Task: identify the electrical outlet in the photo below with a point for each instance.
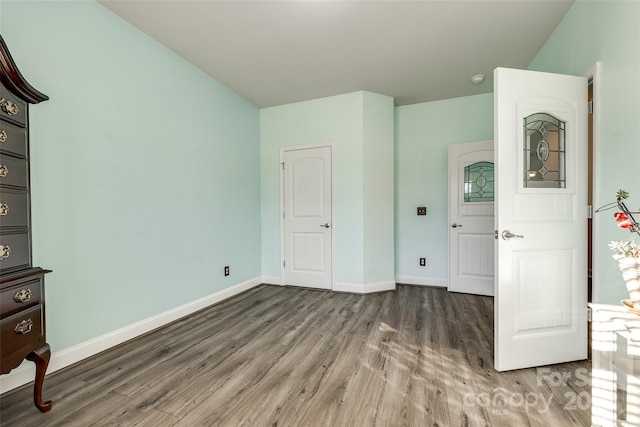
(423, 262)
(226, 270)
(422, 210)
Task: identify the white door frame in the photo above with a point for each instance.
(334, 221)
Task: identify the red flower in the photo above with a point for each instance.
(623, 220)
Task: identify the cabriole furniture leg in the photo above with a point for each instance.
(41, 358)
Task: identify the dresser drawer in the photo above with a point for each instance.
(12, 108)
(18, 297)
(14, 209)
(13, 139)
(13, 172)
(20, 334)
(14, 251)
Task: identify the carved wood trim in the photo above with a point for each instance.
(13, 79)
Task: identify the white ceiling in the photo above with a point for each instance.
(277, 52)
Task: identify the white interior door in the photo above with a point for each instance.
(541, 218)
(471, 241)
(307, 224)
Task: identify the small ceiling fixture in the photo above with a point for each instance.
(477, 79)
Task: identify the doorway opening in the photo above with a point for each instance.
(590, 203)
(590, 192)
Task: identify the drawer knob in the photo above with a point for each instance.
(3, 135)
(4, 209)
(5, 251)
(4, 171)
(24, 327)
(23, 295)
(9, 107)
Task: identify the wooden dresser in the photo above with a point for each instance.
(22, 317)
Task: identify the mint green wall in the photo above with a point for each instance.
(423, 134)
(145, 171)
(148, 176)
(378, 175)
(607, 31)
(339, 120)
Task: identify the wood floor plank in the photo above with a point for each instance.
(322, 392)
(116, 409)
(227, 394)
(283, 356)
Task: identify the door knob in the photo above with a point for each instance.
(454, 225)
(506, 235)
(326, 225)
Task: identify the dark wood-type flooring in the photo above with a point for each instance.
(281, 356)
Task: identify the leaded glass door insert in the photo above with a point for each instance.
(544, 151)
(478, 182)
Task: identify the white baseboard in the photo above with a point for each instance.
(271, 280)
(422, 281)
(356, 288)
(26, 372)
(364, 288)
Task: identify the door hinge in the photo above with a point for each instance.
(590, 212)
(589, 314)
(590, 106)
(282, 165)
(283, 264)
(282, 215)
